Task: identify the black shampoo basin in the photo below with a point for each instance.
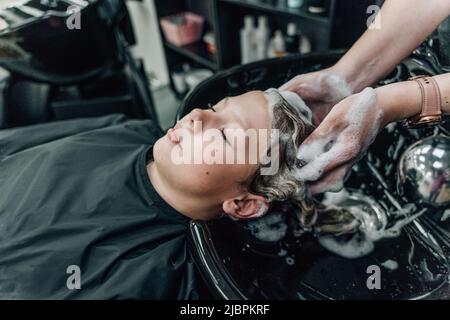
(236, 265)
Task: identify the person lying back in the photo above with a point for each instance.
(99, 208)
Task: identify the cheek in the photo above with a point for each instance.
(212, 179)
(224, 178)
(199, 178)
(158, 148)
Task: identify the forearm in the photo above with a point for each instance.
(403, 99)
(404, 25)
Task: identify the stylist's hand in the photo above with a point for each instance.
(340, 141)
(320, 90)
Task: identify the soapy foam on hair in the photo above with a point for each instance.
(363, 242)
(290, 123)
(263, 208)
(275, 97)
(270, 228)
(335, 198)
(297, 102)
(354, 248)
(273, 228)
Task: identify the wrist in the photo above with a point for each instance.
(399, 101)
(355, 77)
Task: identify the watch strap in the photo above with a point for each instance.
(431, 103)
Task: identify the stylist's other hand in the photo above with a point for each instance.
(340, 141)
(320, 90)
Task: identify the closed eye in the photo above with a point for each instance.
(222, 131)
(223, 135)
(210, 107)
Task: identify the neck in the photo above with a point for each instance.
(188, 205)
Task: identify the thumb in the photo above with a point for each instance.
(288, 86)
(303, 89)
(315, 144)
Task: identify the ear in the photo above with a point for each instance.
(248, 206)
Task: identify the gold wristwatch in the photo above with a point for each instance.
(431, 103)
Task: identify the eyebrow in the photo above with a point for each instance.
(238, 119)
(225, 103)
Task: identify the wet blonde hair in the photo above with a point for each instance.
(294, 124)
(294, 127)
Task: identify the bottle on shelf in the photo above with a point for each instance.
(305, 44)
(292, 39)
(262, 37)
(210, 39)
(317, 6)
(296, 41)
(277, 46)
(295, 4)
(248, 52)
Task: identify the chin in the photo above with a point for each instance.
(162, 151)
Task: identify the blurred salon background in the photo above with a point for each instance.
(143, 57)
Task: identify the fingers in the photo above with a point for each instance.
(325, 155)
(345, 149)
(319, 86)
(313, 152)
(313, 146)
(320, 111)
(308, 92)
(297, 87)
(333, 181)
(301, 85)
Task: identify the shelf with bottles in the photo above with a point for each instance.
(308, 35)
(314, 13)
(186, 75)
(335, 27)
(259, 43)
(198, 52)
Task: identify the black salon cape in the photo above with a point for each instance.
(76, 193)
